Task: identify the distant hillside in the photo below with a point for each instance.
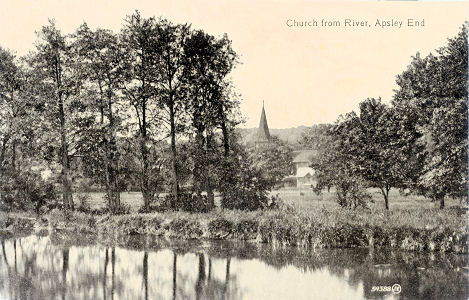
(290, 135)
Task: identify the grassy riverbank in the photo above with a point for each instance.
(413, 230)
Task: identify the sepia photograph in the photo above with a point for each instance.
(265, 149)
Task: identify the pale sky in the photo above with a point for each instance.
(305, 75)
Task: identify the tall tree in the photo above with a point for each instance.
(208, 61)
(337, 165)
(57, 86)
(101, 59)
(12, 108)
(432, 90)
(170, 85)
(376, 147)
(139, 41)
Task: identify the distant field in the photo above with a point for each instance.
(307, 199)
(302, 199)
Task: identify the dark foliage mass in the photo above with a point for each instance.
(150, 108)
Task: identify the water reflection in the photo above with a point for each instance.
(147, 268)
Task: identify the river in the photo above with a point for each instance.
(142, 267)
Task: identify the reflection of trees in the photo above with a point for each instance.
(106, 260)
(37, 276)
(201, 278)
(145, 274)
(227, 277)
(48, 270)
(421, 275)
(4, 254)
(209, 268)
(65, 254)
(207, 287)
(116, 285)
(113, 264)
(14, 247)
(5, 259)
(174, 274)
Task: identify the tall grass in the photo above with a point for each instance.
(414, 230)
(320, 225)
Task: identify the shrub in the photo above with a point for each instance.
(351, 193)
(185, 228)
(27, 190)
(243, 186)
(83, 203)
(220, 228)
(121, 209)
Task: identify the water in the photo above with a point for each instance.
(58, 267)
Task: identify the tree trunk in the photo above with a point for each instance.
(66, 176)
(2, 159)
(101, 105)
(13, 155)
(224, 130)
(145, 177)
(385, 192)
(2, 153)
(108, 182)
(208, 184)
(199, 172)
(174, 168)
(210, 194)
(113, 187)
(441, 198)
(226, 146)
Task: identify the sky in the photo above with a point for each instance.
(305, 75)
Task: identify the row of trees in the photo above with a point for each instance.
(151, 106)
(418, 143)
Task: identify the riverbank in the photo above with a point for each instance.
(411, 230)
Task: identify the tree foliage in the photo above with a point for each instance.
(432, 97)
(273, 160)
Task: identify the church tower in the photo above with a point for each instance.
(263, 134)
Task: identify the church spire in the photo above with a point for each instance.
(263, 134)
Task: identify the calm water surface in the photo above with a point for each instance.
(54, 267)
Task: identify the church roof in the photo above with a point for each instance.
(304, 171)
(263, 134)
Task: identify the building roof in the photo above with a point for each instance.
(263, 134)
(304, 156)
(303, 171)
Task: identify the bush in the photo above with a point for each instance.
(83, 203)
(192, 202)
(351, 193)
(27, 190)
(220, 228)
(185, 228)
(242, 185)
(120, 209)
